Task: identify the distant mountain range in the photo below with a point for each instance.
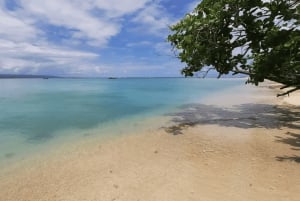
(7, 76)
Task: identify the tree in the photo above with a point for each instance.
(259, 38)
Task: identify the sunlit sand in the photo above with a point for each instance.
(231, 146)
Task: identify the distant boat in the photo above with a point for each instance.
(111, 78)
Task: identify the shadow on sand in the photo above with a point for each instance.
(240, 116)
(293, 140)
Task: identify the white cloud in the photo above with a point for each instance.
(25, 46)
(191, 6)
(79, 16)
(118, 8)
(154, 19)
(25, 57)
(15, 29)
(72, 16)
(27, 49)
(164, 49)
(140, 43)
(136, 69)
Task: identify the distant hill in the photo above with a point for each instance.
(7, 76)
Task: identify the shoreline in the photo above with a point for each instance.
(229, 146)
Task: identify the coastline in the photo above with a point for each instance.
(230, 146)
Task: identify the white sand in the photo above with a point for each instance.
(293, 99)
(223, 159)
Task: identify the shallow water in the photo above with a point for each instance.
(35, 113)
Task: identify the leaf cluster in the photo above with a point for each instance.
(257, 38)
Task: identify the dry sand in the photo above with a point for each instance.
(241, 146)
(293, 99)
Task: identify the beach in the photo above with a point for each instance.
(237, 144)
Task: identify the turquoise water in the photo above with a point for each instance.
(34, 112)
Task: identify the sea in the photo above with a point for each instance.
(36, 114)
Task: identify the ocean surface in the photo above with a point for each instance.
(37, 113)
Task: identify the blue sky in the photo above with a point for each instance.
(89, 37)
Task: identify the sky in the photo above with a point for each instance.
(97, 38)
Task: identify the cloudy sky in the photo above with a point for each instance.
(89, 37)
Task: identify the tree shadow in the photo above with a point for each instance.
(293, 140)
(289, 158)
(240, 116)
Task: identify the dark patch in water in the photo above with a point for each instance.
(9, 155)
(88, 134)
(40, 137)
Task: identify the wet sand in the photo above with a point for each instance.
(231, 146)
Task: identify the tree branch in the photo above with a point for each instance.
(206, 72)
(288, 92)
(236, 71)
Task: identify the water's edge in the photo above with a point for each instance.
(124, 106)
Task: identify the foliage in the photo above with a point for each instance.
(260, 38)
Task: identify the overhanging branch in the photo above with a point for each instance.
(236, 71)
(288, 92)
